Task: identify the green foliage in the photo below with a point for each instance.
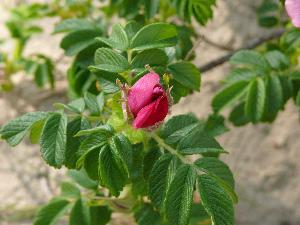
(268, 14)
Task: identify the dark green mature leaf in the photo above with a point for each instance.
(77, 41)
(100, 215)
(156, 35)
(75, 24)
(199, 215)
(146, 215)
(53, 140)
(290, 41)
(267, 13)
(15, 130)
(107, 81)
(103, 129)
(277, 60)
(150, 159)
(72, 153)
(252, 59)
(160, 179)
(287, 88)
(151, 8)
(94, 103)
(80, 214)
(118, 38)
(215, 200)
(298, 99)
(82, 179)
(90, 163)
(122, 150)
(112, 174)
(178, 127)
(152, 57)
(109, 60)
(180, 196)
(237, 115)
(186, 74)
(274, 98)
(229, 94)
(49, 214)
(215, 125)
(216, 167)
(199, 142)
(255, 100)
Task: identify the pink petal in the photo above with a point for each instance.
(152, 113)
(140, 94)
(293, 10)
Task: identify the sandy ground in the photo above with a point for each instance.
(264, 158)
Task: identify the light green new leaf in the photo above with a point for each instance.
(103, 129)
(229, 94)
(94, 103)
(216, 201)
(69, 190)
(199, 142)
(82, 179)
(252, 59)
(156, 35)
(180, 196)
(238, 74)
(15, 130)
(118, 38)
(53, 140)
(160, 179)
(152, 57)
(49, 214)
(70, 25)
(186, 74)
(131, 28)
(111, 173)
(277, 60)
(80, 214)
(255, 100)
(76, 106)
(109, 60)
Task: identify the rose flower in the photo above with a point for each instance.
(147, 102)
(293, 10)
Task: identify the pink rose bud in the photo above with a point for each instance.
(148, 101)
(293, 10)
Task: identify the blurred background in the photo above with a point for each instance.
(263, 158)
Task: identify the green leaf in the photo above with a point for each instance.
(298, 99)
(91, 164)
(53, 140)
(274, 98)
(216, 167)
(147, 216)
(152, 57)
(160, 179)
(180, 196)
(79, 214)
(277, 60)
(107, 81)
(255, 100)
(252, 59)
(237, 115)
(70, 25)
(151, 8)
(156, 35)
(72, 152)
(178, 127)
(199, 215)
(15, 130)
(49, 214)
(186, 74)
(77, 41)
(103, 129)
(109, 60)
(287, 88)
(150, 159)
(100, 215)
(132, 28)
(215, 200)
(215, 125)
(82, 179)
(228, 95)
(199, 142)
(36, 131)
(69, 190)
(94, 103)
(112, 174)
(118, 38)
(239, 74)
(76, 106)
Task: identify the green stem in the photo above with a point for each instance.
(170, 149)
(19, 46)
(129, 55)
